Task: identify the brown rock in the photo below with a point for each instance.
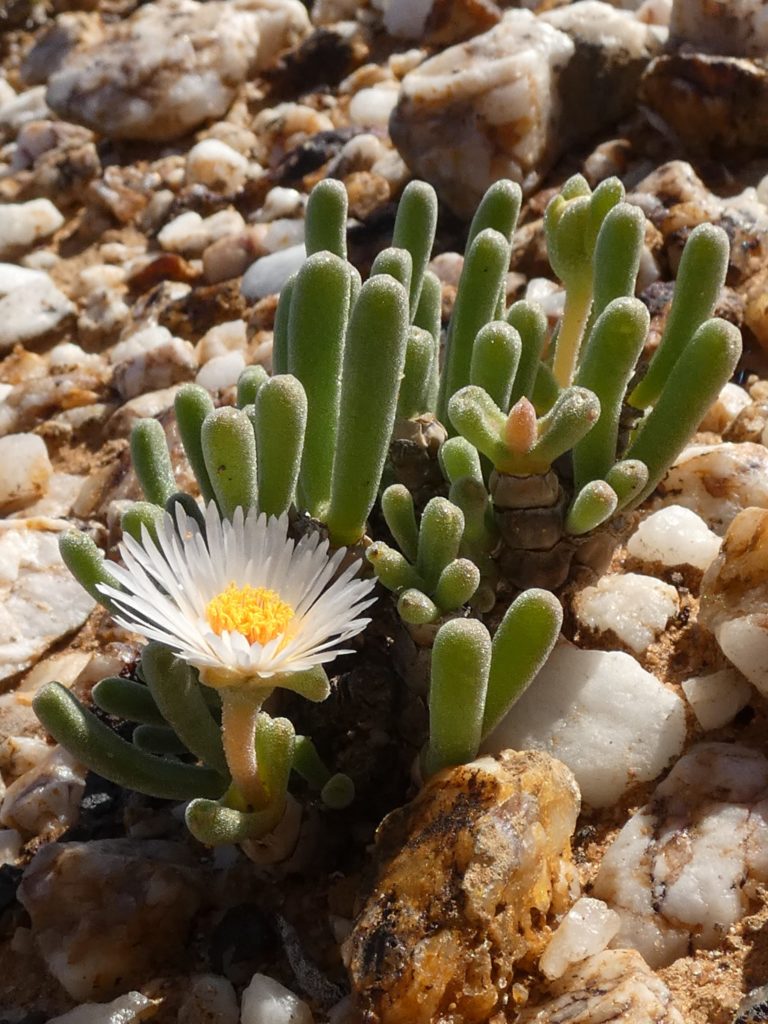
(477, 869)
(107, 913)
(715, 105)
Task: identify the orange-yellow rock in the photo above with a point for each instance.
(475, 873)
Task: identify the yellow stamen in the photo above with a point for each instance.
(256, 612)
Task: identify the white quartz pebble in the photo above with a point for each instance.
(600, 713)
(221, 371)
(210, 998)
(266, 1001)
(183, 232)
(13, 276)
(24, 224)
(586, 929)
(370, 108)
(40, 600)
(217, 165)
(680, 872)
(744, 642)
(189, 234)
(128, 1009)
(268, 275)
(726, 407)
(633, 607)
(230, 336)
(674, 536)
(26, 469)
(717, 697)
(31, 311)
(281, 202)
(717, 481)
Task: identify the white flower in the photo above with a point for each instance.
(243, 602)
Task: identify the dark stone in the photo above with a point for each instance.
(243, 936)
(753, 1008)
(10, 877)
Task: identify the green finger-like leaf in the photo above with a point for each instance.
(461, 660)
(414, 231)
(700, 277)
(573, 414)
(440, 532)
(373, 364)
(495, 359)
(213, 824)
(142, 515)
(618, 250)
(480, 421)
(127, 699)
(229, 448)
(392, 570)
(415, 388)
(86, 561)
(628, 479)
(521, 645)
(698, 376)
(281, 331)
(157, 739)
(498, 209)
(338, 792)
(415, 608)
(594, 505)
(530, 322)
(192, 404)
(94, 744)
(280, 421)
(152, 461)
(249, 383)
(429, 318)
(308, 764)
(325, 220)
(395, 262)
(318, 323)
(400, 517)
(482, 278)
(457, 584)
(458, 459)
(176, 692)
(607, 365)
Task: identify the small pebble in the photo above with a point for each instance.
(268, 274)
(634, 608)
(221, 372)
(586, 929)
(266, 1001)
(31, 312)
(26, 470)
(717, 697)
(128, 1009)
(222, 339)
(674, 536)
(216, 165)
(210, 999)
(24, 224)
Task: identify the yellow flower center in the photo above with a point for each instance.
(259, 614)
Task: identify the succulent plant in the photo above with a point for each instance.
(490, 475)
